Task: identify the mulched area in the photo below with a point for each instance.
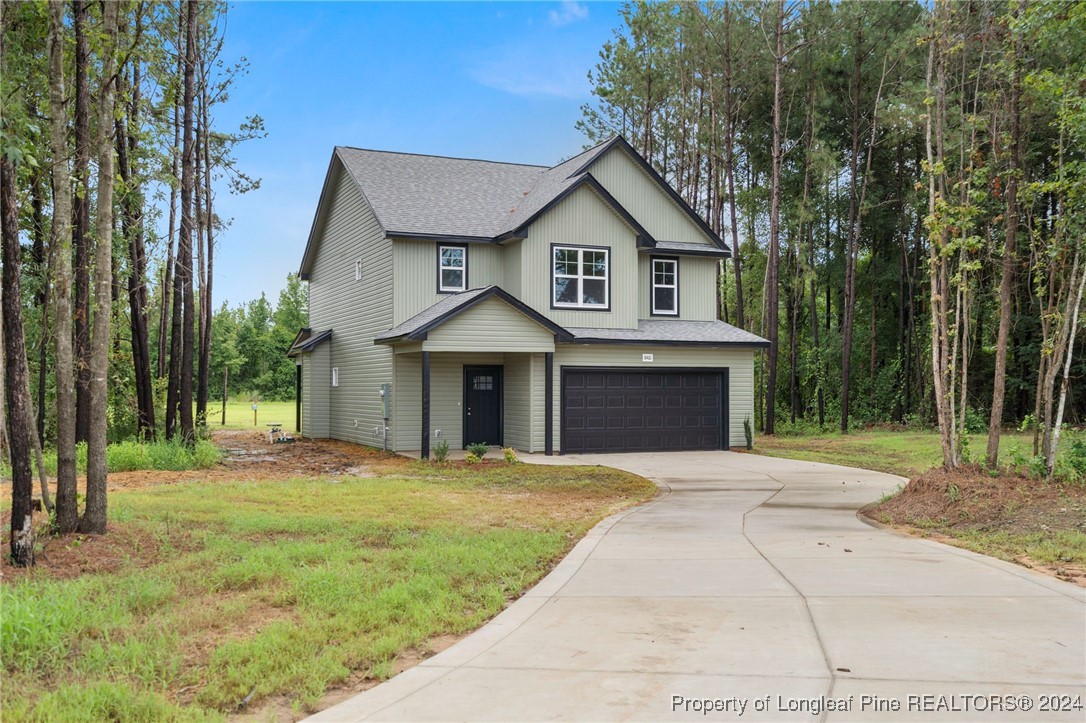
(970, 499)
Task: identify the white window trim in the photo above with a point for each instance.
(463, 268)
(335, 376)
(654, 286)
(606, 278)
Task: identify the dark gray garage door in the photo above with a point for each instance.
(612, 410)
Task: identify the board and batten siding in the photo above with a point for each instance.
(581, 219)
(697, 288)
(446, 397)
(491, 325)
(639, 194)
(356, 310)
(738, 360)
(415, 274)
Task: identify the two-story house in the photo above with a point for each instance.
(564, 309)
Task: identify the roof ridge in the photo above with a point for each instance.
(448, 158)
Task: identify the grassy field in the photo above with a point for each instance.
(908, 454)
(239, 414)
(234, 592)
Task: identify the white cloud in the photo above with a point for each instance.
(525, 71)
(569, 12)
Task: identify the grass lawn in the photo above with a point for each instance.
(908, 453)
(239, 414)
(221, 595)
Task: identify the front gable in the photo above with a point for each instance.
(648, 199)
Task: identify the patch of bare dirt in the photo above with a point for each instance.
(940, 503)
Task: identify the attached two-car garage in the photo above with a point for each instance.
(634, 410)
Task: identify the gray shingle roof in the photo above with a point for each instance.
(441, 308)
(456, 196)
(671, 331)
(683, 247)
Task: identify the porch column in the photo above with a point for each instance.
(548, 401)
(425, 453)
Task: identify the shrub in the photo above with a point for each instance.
(479, 449)
(1076, 456)
(976, 422)
(748, 433)
(510, 455)
(440, 452)
(472, 458)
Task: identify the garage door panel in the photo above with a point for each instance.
(617, 411)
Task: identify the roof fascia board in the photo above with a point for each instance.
(666, 342)
(713, 252)
(411, 235)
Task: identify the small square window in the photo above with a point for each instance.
(483, 382)
(665, 287)
(335, 376)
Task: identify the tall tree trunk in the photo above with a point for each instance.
(206, 305)
(164, 320)
(19, 416)
(729, 169)
(773, 262)
(81, 208)
(67, 514)
(94, 518)
(132, 228)
(184, 272)
(1010, 250)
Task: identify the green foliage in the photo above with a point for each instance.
(747, 433)
(1075, 457)
(479, 449)
(440, 452)
(510, 455)
(472, 458)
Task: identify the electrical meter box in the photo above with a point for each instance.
(386, 400)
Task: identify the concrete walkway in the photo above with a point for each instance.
(751, 588)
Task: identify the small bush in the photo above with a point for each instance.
(440, 453)
(472, 458)
(976, 422)
(1075, 456)
(479, 449)
(510, 455)
(748, 433)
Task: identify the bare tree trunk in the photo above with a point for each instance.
(1006, 283)
(729, 169)
(19, 416)
(184, 271)
(1074, 302)
(773, 263)
(94, 518)
(67, 515)
(168, 270)
(81, 218)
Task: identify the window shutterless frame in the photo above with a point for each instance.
(452, 268)
(577, 272)
(664, 285)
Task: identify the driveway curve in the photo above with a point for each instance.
(750, 590)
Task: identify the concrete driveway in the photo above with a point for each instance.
(751, 589)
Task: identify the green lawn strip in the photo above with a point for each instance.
(239, 414)
(908, 453)
(284, 588)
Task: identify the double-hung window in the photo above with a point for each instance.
(665, 287)
(452, 268)
(581, 277)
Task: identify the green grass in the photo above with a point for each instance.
(285, 588)
(239, 414)
(130, 455)
(909, 453)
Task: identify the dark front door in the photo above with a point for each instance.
(483, 405)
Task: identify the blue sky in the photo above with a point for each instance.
(502, 81)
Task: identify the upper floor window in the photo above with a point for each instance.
(452, 268)
(665, 286)
(581, 277)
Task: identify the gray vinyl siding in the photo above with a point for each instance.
(356, 311)
(513, 273)
(537, 392)
(581, 219)
(492, 325)
(697, 288)
(739, 361)
(518, 401)
(316, 385)
(641, 196)
(446, 397)
(415, 280)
